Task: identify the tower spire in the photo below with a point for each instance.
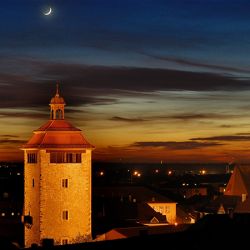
(57, 89)
(57, 106)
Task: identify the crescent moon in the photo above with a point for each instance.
(48, 12)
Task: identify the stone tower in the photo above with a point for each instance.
(57, 181)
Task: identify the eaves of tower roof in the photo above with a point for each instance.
(57, 134)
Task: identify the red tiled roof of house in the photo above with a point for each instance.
(239, 182)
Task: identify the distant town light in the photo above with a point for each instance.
(137, 173)
(203, 171)
(12, 214)
(101, 173)
(183, 184)
(18, 173)
(5, 195)
(157, 171)
(3, 214)
(170, 172)
(176, 224)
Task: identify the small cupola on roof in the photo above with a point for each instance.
(57, 104)
(57, 132)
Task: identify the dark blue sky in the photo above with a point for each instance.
(128, 33)
(173, 75)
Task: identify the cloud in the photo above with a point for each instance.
(33, 82)
(223, 138)
(9, 136)
(11, 139)
(141, 79)
(27, 115)
(245, 133)
(174, 145)
(186, 62)
(124, 119)
(226, 126)
(182, 117)
(194, 116)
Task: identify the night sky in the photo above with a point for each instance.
(146, 80)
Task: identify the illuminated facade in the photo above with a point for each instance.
(167, 209)
(57, 181)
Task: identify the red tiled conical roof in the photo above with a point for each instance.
(57, 134)
(57, 125)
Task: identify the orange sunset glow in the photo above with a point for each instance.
(168, 127)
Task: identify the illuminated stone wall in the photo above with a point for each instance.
(31, 201)
(52, 199)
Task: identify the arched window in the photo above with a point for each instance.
(59, 114)
(52, 114)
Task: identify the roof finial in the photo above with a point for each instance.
(57, 89)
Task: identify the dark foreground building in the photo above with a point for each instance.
(211, 232)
